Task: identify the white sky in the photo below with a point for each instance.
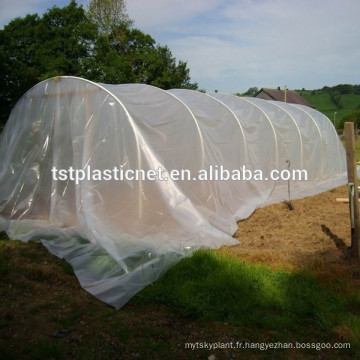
(231, 45)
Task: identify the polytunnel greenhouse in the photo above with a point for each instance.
(120, 234)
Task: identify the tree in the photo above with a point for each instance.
(160, 69)
(109, 14)
(99, 45)
(337, 99)
(34, 48)
(252, 91)
(351, 117)
(344, 88)
(18, 70)
(65, 37)
(129, 55)
(124, 54)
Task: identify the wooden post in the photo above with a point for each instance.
(352, 178)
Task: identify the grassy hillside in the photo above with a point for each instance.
(323, 102)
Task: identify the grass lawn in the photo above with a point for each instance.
(323, 103)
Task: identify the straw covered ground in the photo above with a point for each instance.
(314, 236)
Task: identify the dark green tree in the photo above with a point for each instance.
(118, 56)
(99, 44)
(34, 48)
(18, 69)
(128, 55)
(64, 41)
(351, 117)
(124, 54)
(337, 99)
(159, 68)
(252, 91)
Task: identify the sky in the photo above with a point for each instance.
(232, 45)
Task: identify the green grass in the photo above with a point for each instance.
(351, 101)
(322, 102)
(209, 286)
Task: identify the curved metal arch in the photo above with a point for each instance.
(309, 110)
(236, 118)
(316, 124)
(273, 103)
(190, 112)
(219, 101)
(196, 123)
(132, 124)
(270, 122)
(323, 116)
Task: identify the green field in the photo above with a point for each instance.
(322, 102)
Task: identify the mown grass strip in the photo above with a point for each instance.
(210, 286)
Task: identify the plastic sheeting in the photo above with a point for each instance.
(120, 235)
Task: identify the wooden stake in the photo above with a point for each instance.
(352, 179)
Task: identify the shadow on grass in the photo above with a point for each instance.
(209, 286)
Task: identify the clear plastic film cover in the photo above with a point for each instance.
(70, 144)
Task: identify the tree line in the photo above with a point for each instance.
(343, 89)
(100, 44)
